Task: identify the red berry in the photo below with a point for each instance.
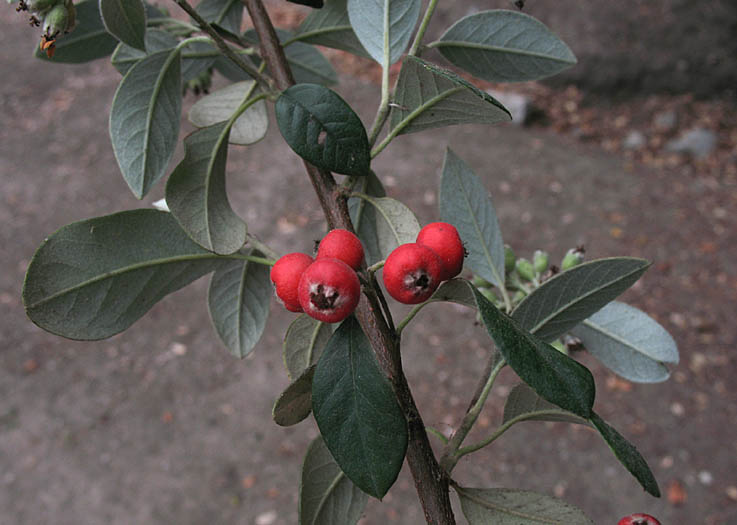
(342, 245)
(443, 239)
(412, 273)
(285, 275)
(638, 519)
(329, 290)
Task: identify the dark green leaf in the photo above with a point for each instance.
(430, 97)
(326, 495)
(88, 41)
(331, 27)
(379, 21)
(144, 119)
(295, 403)
(230, 70)
(308, 65)
(524, 402)
(228, 14)
(357, 412)
(219, 106)
(628, 455)
(562, 302)
(504, 46)
(125, 57)
(95, 278)
(363, 214)
(517, 507)
(629, 342)
(125, 20)
(554, 376)
(196, 58)
(238, 298)
(465, 203)
(197, 196)
(323, 129)
(455, 291)
(303, 344)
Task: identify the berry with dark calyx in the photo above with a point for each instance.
(638, 519)
(342, 245)
(525, 269)
(329, 290)
(443, 239)
(412, 272)
(509, 259)
(573, 257)
(540, 260)
(285, 275)
(56, 21)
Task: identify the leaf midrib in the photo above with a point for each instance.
(499, 49)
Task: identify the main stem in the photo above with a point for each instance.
(431, 482)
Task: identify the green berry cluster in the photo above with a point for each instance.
(54, 17)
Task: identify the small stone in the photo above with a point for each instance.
(634, 140)
(520, 106)
(677, 409)
(705, 477)
(666, 120)
(267, 518)
(699, 142)
(732, 492)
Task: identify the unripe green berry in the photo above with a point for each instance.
(489, 294)
(40, 6)
(573, 257)
(509, 259)
(57, 20)
(525, 269)
(560, 347)
(517, 297)
(480, 282)
(540, 260)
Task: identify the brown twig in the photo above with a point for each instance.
(431, 482)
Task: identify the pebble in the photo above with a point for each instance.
(705, 477)
(699, 142)
(666, 121)
(267, 518)
(520, 106)
(635, 140)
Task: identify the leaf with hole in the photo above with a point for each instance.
(125, 20)
(385, 224)
(93, 279)
(516, 507)
(89, 40)
(523, 403)
(568, 298)
(554, 376)
(303, 344)
(144, 119)
(220, 105)
(196, 193)
(629, 342)
(326, 495)
(330, 27)
(431, 97)
(384, 26)
(323, 129)
(295, 403)
(238, 299)
(465, 203)
(504, 46)
(628, 455)
(357, 412)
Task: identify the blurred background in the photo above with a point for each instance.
(631, 152)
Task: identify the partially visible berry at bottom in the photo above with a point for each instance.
(638, 519)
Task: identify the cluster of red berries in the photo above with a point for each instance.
(327, 287)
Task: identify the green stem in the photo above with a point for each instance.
(411, 315)
(383, 111)
(503, 428)
(252, 258)
(450, 455)
(435, 432)
(192, 40)
(414, 50)
(260, 246)
(376, 266)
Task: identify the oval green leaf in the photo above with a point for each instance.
(238, 299)
(504, 46)
(554, 376)
(357, 412)
(197, 196)
(568, 298)
(125, 57)
(89, 40)
(144, 119)
(523, 403)
(326, 495)
(629, 342)
(323, 129)
(303, 344)
(227, 14)
(220, 105)
(517, 507)
(431, 97)
(330, 27)
(464, 202)
(628, 455)
(377, 22)
(93, 279)
(126, 21)
(295, 403)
